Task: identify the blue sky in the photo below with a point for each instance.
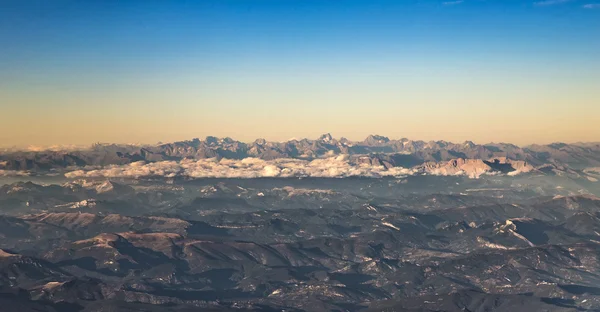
(282, 68)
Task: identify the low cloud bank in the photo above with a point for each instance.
(14, 173)
(340, 166)
(333, 167)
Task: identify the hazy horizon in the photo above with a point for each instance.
(40, 147)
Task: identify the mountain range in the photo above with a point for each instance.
(579, 160)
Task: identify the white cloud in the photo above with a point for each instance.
(14, 173)
(592, 6)
(550, 2)
(453, 2)
(333, 167)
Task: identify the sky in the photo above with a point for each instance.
(78, 72)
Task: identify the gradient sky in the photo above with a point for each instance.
(77, 72)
